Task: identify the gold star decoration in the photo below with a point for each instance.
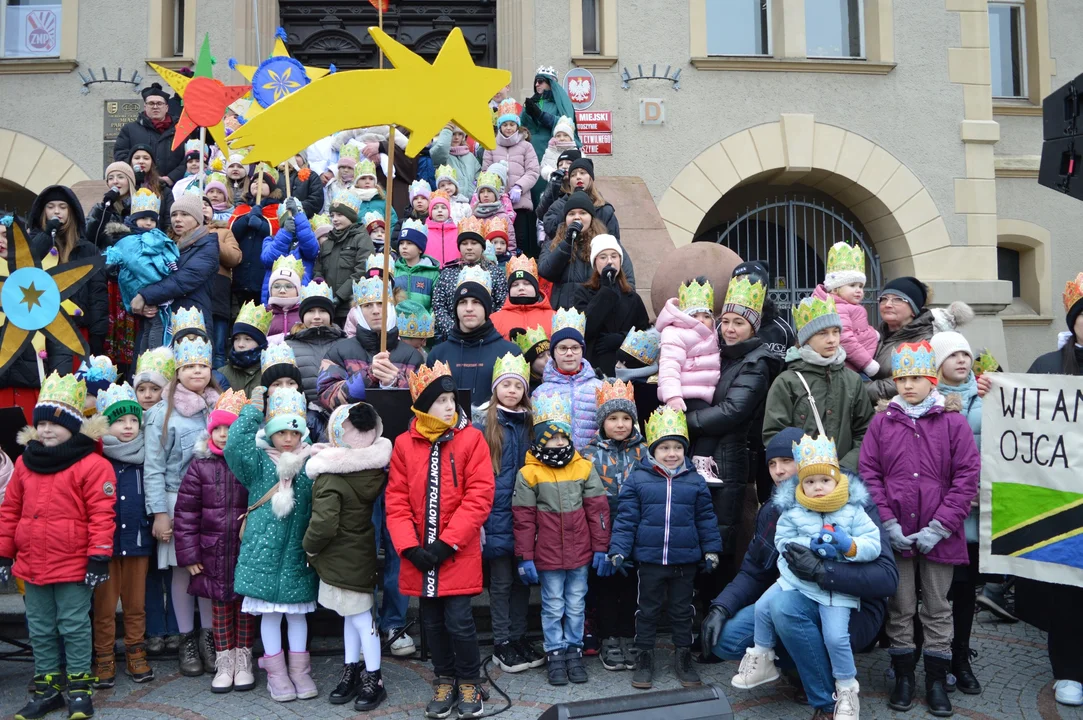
(32, 296)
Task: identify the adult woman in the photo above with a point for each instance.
(115, 206)
(549, 103)
(568, 374)
(611, 305)
(146, 176)
(565, 260)
(581, 177)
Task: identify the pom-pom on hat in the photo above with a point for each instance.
(286, 410)
(568, 324)
(61, 401)
(914, 360)
(552, 416)
(155, 366)
(356, 425)
(532, 341)
(512, 366)
(414, 321)
(813, 315)
(605, 242)
(98, 372)
(694, 297)
(116, 401)
(471, 228)
(416, 232)
(429, 383)
(665, 423)
(845, 265)
(945, 344)
(227, 409)
(146, 204)
(347, 203)
(816, 456)
(317, 294)
(1073, 300)
(615, 396)
(277, 362)
(253, 320)
(745, 298)
(193, 351)
(419, 187)
(288, 268)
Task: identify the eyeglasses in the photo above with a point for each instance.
(155, 104)
(891, 300)
(571, 350)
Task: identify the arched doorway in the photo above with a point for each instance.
(28, 166)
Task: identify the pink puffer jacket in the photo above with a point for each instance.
(690, 364)
(522, 163)
(859, 339)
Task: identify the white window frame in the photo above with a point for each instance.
(766, 9)
(1024, 90)
(862, 52)
(3, 29)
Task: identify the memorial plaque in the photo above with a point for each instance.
(119, 113)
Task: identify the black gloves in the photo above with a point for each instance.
(609, 275)
(97, 570)
(421, 558)
(441, 550)
(531, 106)
(711, 628)
(5, 570)
(556, 177)
(140, 177)
(804, 563)
(110, 197)
(53, 225)
(608, 342)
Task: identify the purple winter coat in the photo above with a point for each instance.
(922, 471)
(206, 524)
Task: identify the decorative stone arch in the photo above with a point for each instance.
(1032, 242)
(898, 212)
(34, 165)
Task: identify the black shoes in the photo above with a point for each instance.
(80, 706)
(443, 698)
(348, 686)
(46, 698)
(557, 669)
(508, 657)
(573, 659)
(471, 700)
(643, 677)
(965, 680)
(936, 693)
(682, 668)
(534, 658)
(372, 691)
(902, 695)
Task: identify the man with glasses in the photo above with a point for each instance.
(154, 128)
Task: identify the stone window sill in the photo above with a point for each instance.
(768, 64)
(1026, 320)
(1023, 108)
(595, 62)
(172, 63)
(36, 66)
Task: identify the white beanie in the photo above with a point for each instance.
(604, 242)
(565, 125)
(945, 344)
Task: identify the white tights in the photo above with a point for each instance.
(184, 605)
(270, 631)
(359, 634)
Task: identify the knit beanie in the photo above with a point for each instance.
(316, 295)
(215, 185)
(419, 187)
(61, 401)
(579, 200)
(584, 163)
(416, 232)
(945, 344)
(116, 401)
(191, 204)
(477, 291)
(615, 396)
(781, 445)
(277, 362)
(127, 171)
(755, 269)
(531, 342)
(909, 289)
(284, 271)
(570, 155)
(605, 242)
(440, 384)
(354, 426)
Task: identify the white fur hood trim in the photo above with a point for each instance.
(328, 459)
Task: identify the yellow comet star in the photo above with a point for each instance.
(345, 100)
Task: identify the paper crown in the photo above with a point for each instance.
(215, 177)
(666, 422)
(193, 351)
(365, 168)
(694, 297)
(447, 172)
(643, 345)
(440, 197)
(490, 251)
(231, 401)
(496, 227)
(985, 363)
(472, 226)
(190, 318)
(265, 169)
(145, 201)
(350, 151)
(569, 318)
(521, 264)
(368, 290)
(235, 159)
(1073, 292)
(745, 293)
(424, 377)
(375, 263)
(318, 221)
(811, 308)
(509, 110)
(843, 257)
(374, 216)
(255, 315)
(419, 187)
(158, 361)
(611, 390)
(317, 288)
(531, 337)
(420, 324)
(97, 368)
(913, 360)
(511, 366)
(280, 354)
(415, 225)
(114, 395)
(816, 456)
(193, 146)
(491, 180)
(547, 71)
(475, 274)
(551, 408)
(347, 198)
(290, 263)
(287, 402)
(64, 390)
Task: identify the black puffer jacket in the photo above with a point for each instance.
(610, 315)
(567, 273)
(776, 332)
(310, 346)
(309, 192)
(882, 387)
(100, 217)
(735, 421)
(142, 132)
(554, 217)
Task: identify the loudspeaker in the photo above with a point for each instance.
(702, 703)
(1060, 168)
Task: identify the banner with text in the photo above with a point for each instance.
(595, 128)
(1032, 478)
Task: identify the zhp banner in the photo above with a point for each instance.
(1032, 478)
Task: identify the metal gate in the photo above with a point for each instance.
(792, 235)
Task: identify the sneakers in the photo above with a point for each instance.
(630, 652)
(529, 653)
(999, 599)
(557, 669)
(243, 677)
(46, 698)
(847, 705)
(104, 671)
(191, 665)
(1068, 692)
(682, 667)
(471, 701)
(80, 705)
(573, 660)
(612, 655)
(223, 675)
(643, 677)
(136, 665)
(706, 466)
(206, 650)
(757, 668)
(371, 693)
(348, 685)
(508, 658)
(443, 698)
(403, 646)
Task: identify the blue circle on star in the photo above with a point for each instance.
(276, 78)
(30, 298)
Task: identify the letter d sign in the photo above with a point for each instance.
(652, 111)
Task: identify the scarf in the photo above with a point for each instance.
(832, 502)
(366, 194)
(554, 457)
(163, 124)
(285, 303)
(814, 358)
(288, 464)
(916, 411)
(557, 145)
(130, 452)
(666, 472)
(51, 460)
(221, 207)
(189, 404)
(484, 210)
(515, 139)
(431, 427)
(188, 240)
(244, 359)
(459, 150)
(477, 334)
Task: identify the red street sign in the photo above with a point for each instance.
(595, 131)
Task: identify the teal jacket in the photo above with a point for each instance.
(968, 393)
(272, 565)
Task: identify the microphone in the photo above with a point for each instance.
(574, 229)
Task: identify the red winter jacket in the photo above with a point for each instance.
(459, 501)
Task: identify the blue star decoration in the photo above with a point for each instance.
(32, 300)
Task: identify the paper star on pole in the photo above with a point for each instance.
(359, 98)
(34, 299)
(277, 77)
(205, 99)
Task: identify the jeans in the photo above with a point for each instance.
(452, 637)
(221, 337)
(161, 619)
(60, 610)
(834, 621)
(509, 600)
(564, 602)
(798, 624)
(395, 604)
(655, 583)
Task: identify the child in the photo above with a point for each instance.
(123, 447)
(637, 363)
(451, 148)
(534, 344)
(215, 191)
(526, 305)
(374, 226)
(447, 181)
(344, 174)
(666, 523)
(822, 508)
(249, 340)
(278, 369)
(419, 201)
(237, 176)
(615, 451)
(210, 506)
(296, 237)
(497, 232)
(321, 226)
(563, 139)
(348, 475)
(284, 297)
(435, 510)
(415, 272)
(514, 149)
(371, 194)
(251, 223)
(416, 325)
(56, 535)
(689, 364)
(841, 402)
(172, 427)
(561, 530)
(310, 342)
(272, 574)
(98, 372)
(442, 231)
(921, 465)
(154, 370)
(342, 256)
(491, 200)
(506, 422)
(845, 282)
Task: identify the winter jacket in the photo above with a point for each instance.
(272, 565)
(250, 230)
(554, 218)
(239, 378)
(418, 281)
(190, 284)
(377, 204)
(844, 410)
(341, 539)
(444, 298)
(610, 315)
(882, 386)
(859, 339)
(132, 537)
(341, 261)
(207, 521)
(923, 470)
(350, 356)
(777, 334)
(568, 273)
(50, 524)
(301, 244)
(443, 243)
(282, 321)
(310, 346)
(503, 209)
(472, 357)
(561, 514)
(798, 525)
(688, 365)
(101, 216)
(614, 461)
(971, 403)
(511, 316)
(142, 132)
(554, 190)
(579, 390)
(450, 480)
(663, 519)
(734, 422)
(167, 462)
(138, 259)
(229, 257)
(499, 528)
(1052, 363)
(307, 187)
(522, 162)
(466, 164)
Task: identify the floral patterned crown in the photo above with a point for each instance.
(511, 366)
(490, 180)
(816, 456)
(569, 318)
(665, 422)
(65, 390)
(158, 360)
(190, 318)
(643, 345)
(746, 293)
(280, 354)
(913, 360)
(552, 408)
(231, 401)
(519, 265)
(318, 221)
(531, 337)
(475, 274)
(193, 351)
(145, 201)
(317, 288)
(1073, 292)
(365, 168)
(694, 297)
(811, 308)
(447, 172)
(368, 290)
(291, 263)
(350, 151)
(347, 198)
(255, 315)
(424, 377)
(843, 257)
(420, 324)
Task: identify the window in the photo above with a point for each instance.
(738, 27)
(30, 28)
(1008, 268)
(171, 41)
(178, 28)
(591, 42)
(835, 28)
(1007, 51)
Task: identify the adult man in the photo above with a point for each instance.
(728, 627)
(154, 128)
(445, 297)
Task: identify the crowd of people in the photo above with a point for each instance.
(219, 455)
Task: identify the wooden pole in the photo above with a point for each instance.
(387, 234)
(286, 169)
(259, 185)
(380, 9)
(202, 145)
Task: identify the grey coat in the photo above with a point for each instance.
(309, 346)
(166, 463)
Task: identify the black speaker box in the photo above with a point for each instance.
(702, 703)
(1063, 134)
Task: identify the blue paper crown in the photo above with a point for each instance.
(193, 351)
(368, 290)
(643, 345)
(475, 274)
(97, 369)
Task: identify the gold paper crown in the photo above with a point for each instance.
(317, 288)
(811, 308)
(1073, 292)
(190, 318)
(513, 366)
(63, 390)
(666, 422)
(816, 456)
(290, 263)
(533, 336)
(318, 221)
(216, 176)
(490, 180)
(614, 390)
(440, 195)
(475, 274)
(569, 318)
(425, 376)
(913, 360)
(643, 345)
(474, 226)
(497, 226)
(280, 354)
(746, 293)
(368, 290)
(447, 172)
(551, 408)
(694, 297)
(365, 168)
(347, 198)
(255, 315)
(145, 201)
(420, 324)
(231, 401)
(843, 257)
(985, 363)
(350, 150)
(157, 360)
(522, 264)
(193, 351)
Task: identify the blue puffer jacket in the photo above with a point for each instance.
(472, 359)
(968, 393)
(132, 537)
(190, 284)
(301, 243)
(580, 389)
(665, 520)
(499, 535)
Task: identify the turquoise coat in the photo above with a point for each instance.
(272, 565)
